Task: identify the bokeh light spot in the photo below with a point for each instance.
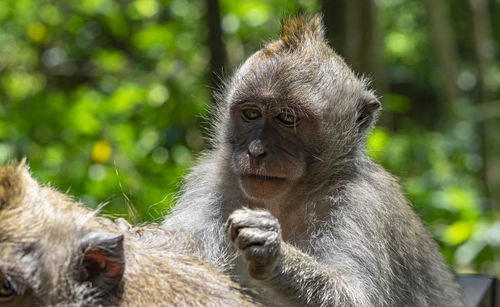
(101, 151)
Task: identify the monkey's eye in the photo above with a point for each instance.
(251, 114)
(7, 290)
(288, 118)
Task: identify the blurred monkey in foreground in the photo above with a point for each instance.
(54, 251)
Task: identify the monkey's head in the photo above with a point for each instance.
(294, 109)
(52, 250)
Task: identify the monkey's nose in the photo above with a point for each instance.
(256, 149)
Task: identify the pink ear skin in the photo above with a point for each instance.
(102, 263)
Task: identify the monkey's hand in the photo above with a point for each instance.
(257, 234)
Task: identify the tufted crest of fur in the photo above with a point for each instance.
(295, 31)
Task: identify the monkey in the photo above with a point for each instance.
(56, 252)
(288, 190)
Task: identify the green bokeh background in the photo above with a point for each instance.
(108, 100)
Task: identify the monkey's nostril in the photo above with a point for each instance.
(257, 155)
(256, 149)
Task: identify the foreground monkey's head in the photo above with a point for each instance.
(52, 251)
(294, 108)
(56, 252)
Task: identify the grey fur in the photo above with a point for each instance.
(348, 235)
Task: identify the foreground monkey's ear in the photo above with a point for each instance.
(103, 261)
(368, 109)
(14, 179)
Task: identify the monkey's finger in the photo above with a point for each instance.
(233, 226)
(242, 218)
(251, 236)
(232, 230)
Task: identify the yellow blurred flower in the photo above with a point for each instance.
(101, 151)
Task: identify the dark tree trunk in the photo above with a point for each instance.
(334, 12)
(445, 49)
(353, 31)
(215, 44)
(483, 44)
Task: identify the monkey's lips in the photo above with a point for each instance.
(263, 187)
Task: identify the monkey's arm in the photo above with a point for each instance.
(286, 269)
(312, 283)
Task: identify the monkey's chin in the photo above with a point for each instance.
(261, 187)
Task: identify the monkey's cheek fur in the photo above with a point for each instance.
(259, 187)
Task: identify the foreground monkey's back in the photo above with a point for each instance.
(166, 266)
(323, 224)
(53, 251)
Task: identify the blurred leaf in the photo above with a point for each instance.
(110, 60)
(397, 103)
(377, 142)
(458, 232)
(125, 98)
(37, 32)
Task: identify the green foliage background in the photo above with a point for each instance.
(107, 99)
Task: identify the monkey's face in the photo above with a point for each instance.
(270, 146)
(296, 112)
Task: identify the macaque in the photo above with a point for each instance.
(54, 251)
(289, 188)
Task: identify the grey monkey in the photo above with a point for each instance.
(288, 186)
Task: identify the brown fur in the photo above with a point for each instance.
(321, 224)
(41, 256)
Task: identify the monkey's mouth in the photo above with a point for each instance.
(262, 177)
(263, 187)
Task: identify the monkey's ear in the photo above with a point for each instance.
(103, 261)
(368, 109)
(14, 180)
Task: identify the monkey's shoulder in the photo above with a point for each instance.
(374, 197)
